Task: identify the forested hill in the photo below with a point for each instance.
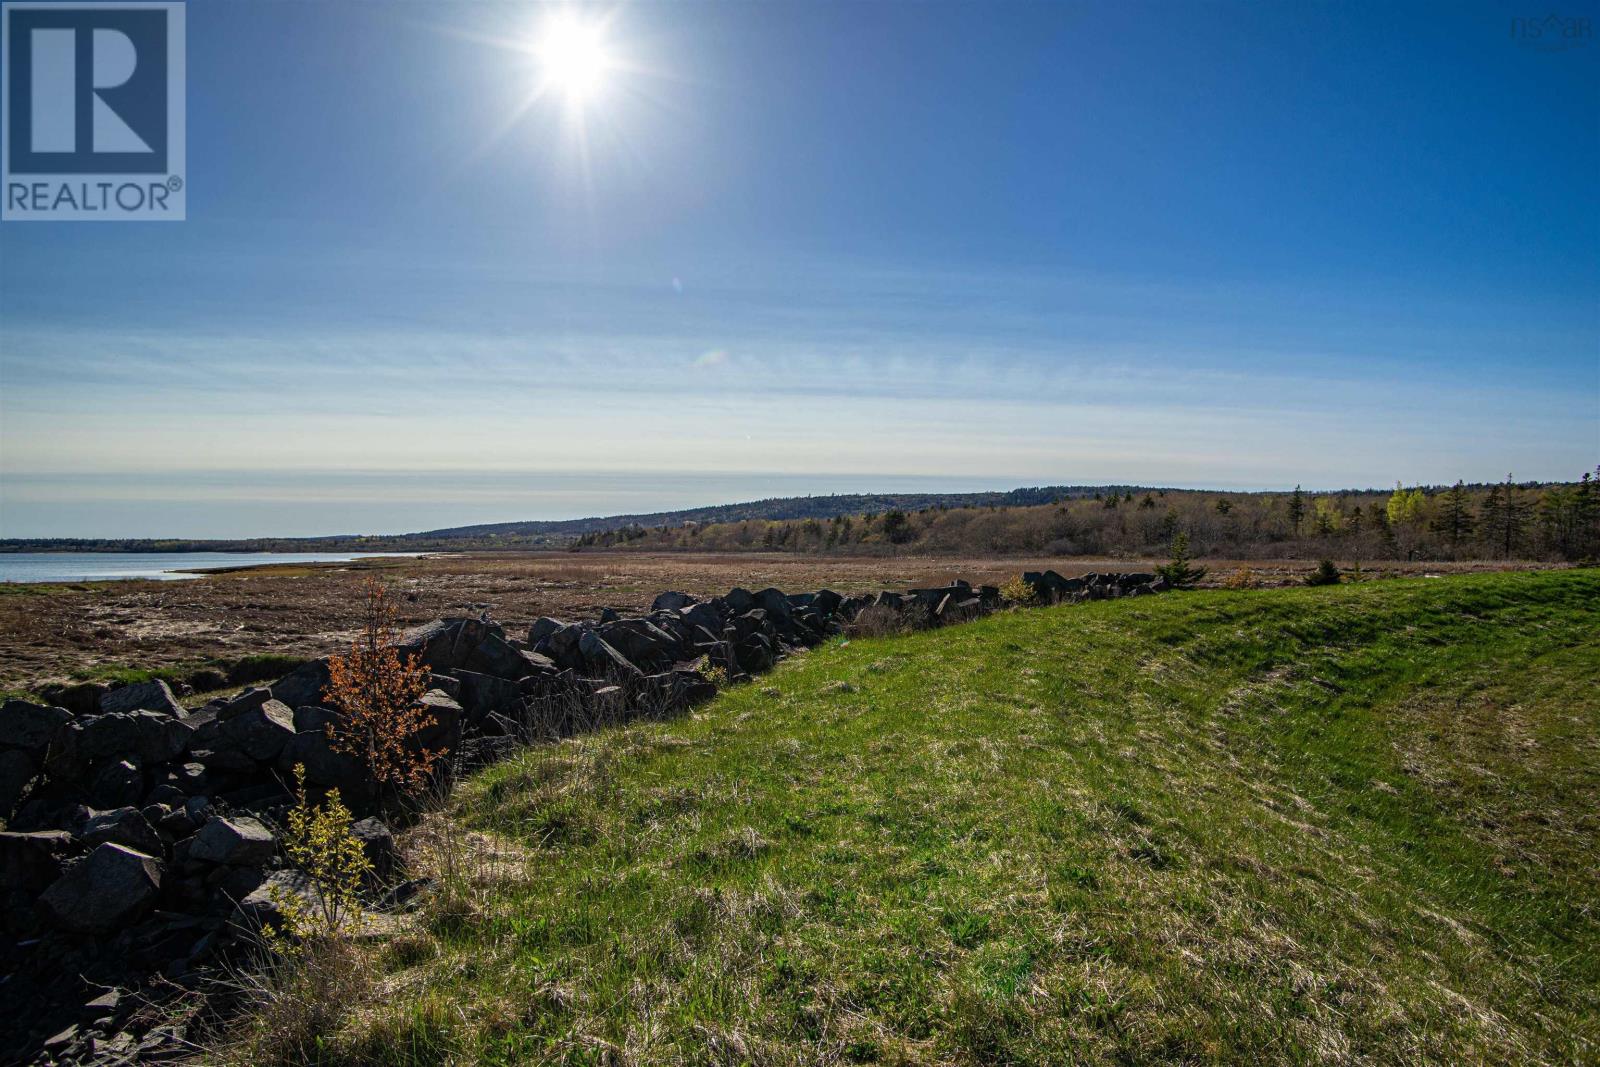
(1499, 521)
(557, 533)
(778, 508)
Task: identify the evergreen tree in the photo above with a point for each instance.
(1297, 510)
(1454, 521)
(1178, 573)
(1567, 518)
(1327, 573)
(1504, 516)
(896, 527)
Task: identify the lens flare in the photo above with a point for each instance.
(573, 56)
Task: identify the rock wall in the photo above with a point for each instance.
(140, 838)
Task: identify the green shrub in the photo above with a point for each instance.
(1179, 573)
(1325, 574)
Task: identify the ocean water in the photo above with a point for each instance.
(162, 566)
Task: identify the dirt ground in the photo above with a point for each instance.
(57, 632)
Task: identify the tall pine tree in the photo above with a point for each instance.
(1297, 510)
(1504, 516)
(1454, 521)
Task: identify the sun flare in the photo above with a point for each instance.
(574, 59)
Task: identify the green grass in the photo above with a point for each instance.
(256, 667)
(120, 674)
(1354, 824)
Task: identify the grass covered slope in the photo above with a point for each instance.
(1318, 825)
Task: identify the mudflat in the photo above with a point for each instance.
(59, 632)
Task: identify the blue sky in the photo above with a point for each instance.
(816, 247)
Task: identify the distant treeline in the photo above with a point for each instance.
(1504, 520)
(381, 543)
(560, 533)
(1480, 521)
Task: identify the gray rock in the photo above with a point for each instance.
(671, 600)
(117, 785)
(151, 736)
(447, 643)
(563, 647)
(109, 890)
(738, 601)
(602, 658)
(30, 862)
(259, 732)
(542, 629)
(314, 717)
(377, 841)
(703, 615)
(251, 698)
(240, 841)
(775, 604)
(325, 766)
(641, 642)
(261, 906)
(81, 699)
(445, 733)
(29, 726)
(495, 655)
(484, 693)
(122, 826)
(17, 769)
(153, 696)
(303, 685)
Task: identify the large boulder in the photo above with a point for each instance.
(826, 601)
(703, 615)
(563, 646)
(259, 732)
(122, 826)
(80, 699)
(302, 686)
(377, 842)
(17, 770)
(30, 862)
(239, 841)
(738, 601)
(543, 628)
(117, 784)
(776, 604)
(110, 889)
(162, 739)
(229, 707)
(485, 693)
(671, 600)
(153, 695)
(444, 734)
(497, 656)
(447, 643)
(325, 766)
(641, 642)
(263, 906)
(30, 727)
(603, 659)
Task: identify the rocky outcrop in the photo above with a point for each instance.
(140, 835)
(1051, 587)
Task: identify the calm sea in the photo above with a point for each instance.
(163, 566)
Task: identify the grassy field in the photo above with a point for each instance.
(1354, 824)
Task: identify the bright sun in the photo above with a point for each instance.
(574, 57)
